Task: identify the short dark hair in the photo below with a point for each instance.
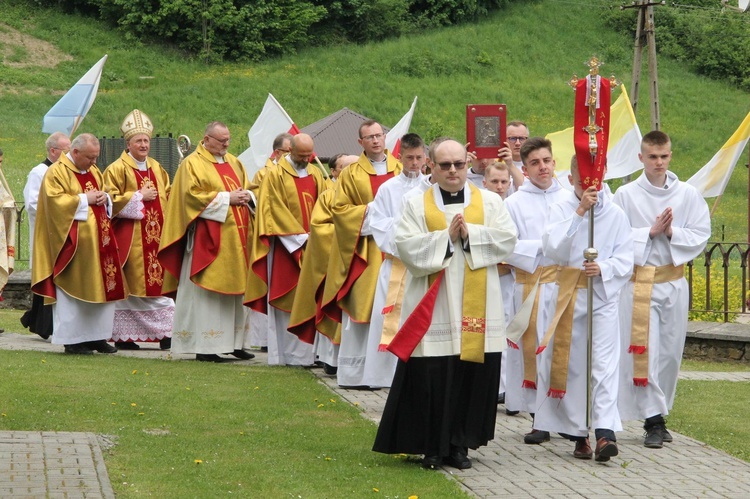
(411, 141)
(280, 138)
(333, 160)
(532, 144)
(517, 123)
(367, 123)
(656, 138)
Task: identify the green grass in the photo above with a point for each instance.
(714, 366)
(186, 429)
(714, 412)
(521, 56)
(10, 320)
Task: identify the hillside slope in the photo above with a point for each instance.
(522, 57)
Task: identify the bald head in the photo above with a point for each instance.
(84, 150)
(450, 165)
(302, 148)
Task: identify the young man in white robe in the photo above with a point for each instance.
(671, 225)
(529, 208)
(383, 214)
(444, 393)
(563, 371)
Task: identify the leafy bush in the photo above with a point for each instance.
(696, 32)
(251, 30)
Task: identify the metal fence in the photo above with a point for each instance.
(724, 264)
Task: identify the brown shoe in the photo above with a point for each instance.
(605, 449)
(583, 450)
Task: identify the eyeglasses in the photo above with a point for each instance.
(220, 141)
(375, 136)
(517, 139)
(446, 165)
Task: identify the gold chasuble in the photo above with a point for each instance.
(285, 205)
(7, 231)
(196, 184)
(355, 259)
(307, 315)
(138, 240)
(80, 257)
(260, 175)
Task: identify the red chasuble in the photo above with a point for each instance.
(286, 266)
(208, 232)
(151, 225)
(111, 270)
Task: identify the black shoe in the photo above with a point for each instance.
(501, 398)
(653, 438)
(459, 459)
(78, 349)
(330, 370)
(432, 462)
(605, 449)
(101, 346)
(127, 345)
(511, 413)
(242, 355)
(666, 437)
(165, 343)
(536, 437)
(210, 357)
(264, 349)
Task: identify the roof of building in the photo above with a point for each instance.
(337, 133)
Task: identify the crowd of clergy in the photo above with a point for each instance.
(459, 283)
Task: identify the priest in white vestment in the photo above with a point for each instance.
(671, 226)
(444, 393)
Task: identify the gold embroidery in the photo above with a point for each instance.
(473, 324)
(152, 226)
(182, 334)
(147, 182)
(104, 226)
(89, 187)
(110, 270)
(212, 333)
(155, 270)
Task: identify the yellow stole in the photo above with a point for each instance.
(644, 279)
(569, 280)
(474, 306)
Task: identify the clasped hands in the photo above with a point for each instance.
(96, 198)
(458, 228)
(238, 197)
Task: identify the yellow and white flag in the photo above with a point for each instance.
(712, 179)
(624, 141)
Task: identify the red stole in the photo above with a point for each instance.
(286, 266)
(208, 232)
(151, 226)
(111, 271)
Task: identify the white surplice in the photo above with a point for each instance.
(424, 253)
(529, 208)
(642, 202)
(31, 200)
(383, 214)
(564, 240)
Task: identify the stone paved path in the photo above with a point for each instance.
(41, 464)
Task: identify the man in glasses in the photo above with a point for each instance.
(355, 258)
(76, 264)
(205, 246)
(451, 238)
(282, 227)
(39, 318)
(529, 208)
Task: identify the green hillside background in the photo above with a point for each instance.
(522, 56)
